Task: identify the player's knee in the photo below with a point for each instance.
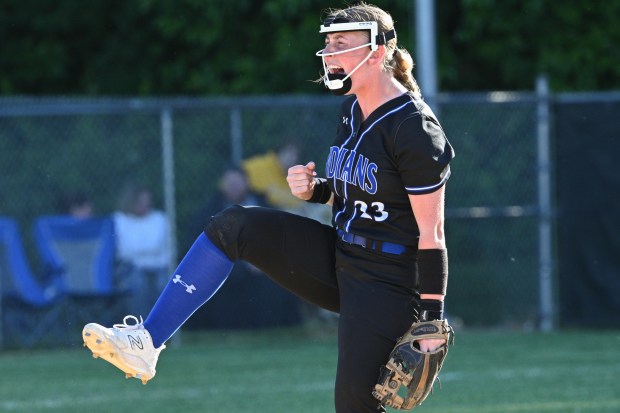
(223, 229)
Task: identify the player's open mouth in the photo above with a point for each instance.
(333, 69)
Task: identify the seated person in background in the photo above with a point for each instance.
(76, 204)
(233, 188)
(142, 246)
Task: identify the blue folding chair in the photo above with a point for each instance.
(32, 312)
(81, 253)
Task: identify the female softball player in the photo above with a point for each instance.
(381, 265)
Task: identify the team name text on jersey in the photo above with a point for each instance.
(355, 169)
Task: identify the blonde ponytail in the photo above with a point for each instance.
(401, 66)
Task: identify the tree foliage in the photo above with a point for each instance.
(217, 47)
(493, 44)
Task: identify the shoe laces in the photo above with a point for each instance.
(137, 324)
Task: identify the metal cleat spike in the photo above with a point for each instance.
(128, 375)
(144, 381)
(95, 356)
(85, 344)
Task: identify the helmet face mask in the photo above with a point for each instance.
(329, 26)
(340, 83)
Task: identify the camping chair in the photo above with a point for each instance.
(32, 313)
(80, 252)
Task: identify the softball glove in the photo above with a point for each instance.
(411, 369)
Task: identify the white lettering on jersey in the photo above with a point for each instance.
(377, 209)
(352, 168)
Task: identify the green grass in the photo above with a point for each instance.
(293, 371)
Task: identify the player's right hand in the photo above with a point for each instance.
(300, 180)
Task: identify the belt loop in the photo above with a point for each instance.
(361, 241)
(377, 245)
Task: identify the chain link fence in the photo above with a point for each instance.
(179, 147)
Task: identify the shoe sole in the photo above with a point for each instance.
(101, 347)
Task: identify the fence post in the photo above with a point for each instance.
(426, 51)
(236, 136)
(545, 259)
(167, 148)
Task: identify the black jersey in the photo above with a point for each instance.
(374, 165)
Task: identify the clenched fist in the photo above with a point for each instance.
(300, 179)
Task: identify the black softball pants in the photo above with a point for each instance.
(373, 292)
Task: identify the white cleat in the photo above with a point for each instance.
(127, 346)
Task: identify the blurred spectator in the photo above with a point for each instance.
(76, 204)
(142, 247)
(267, 175)
(233, 188)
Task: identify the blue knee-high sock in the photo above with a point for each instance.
(200, 274)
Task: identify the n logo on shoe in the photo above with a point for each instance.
(135, 342)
